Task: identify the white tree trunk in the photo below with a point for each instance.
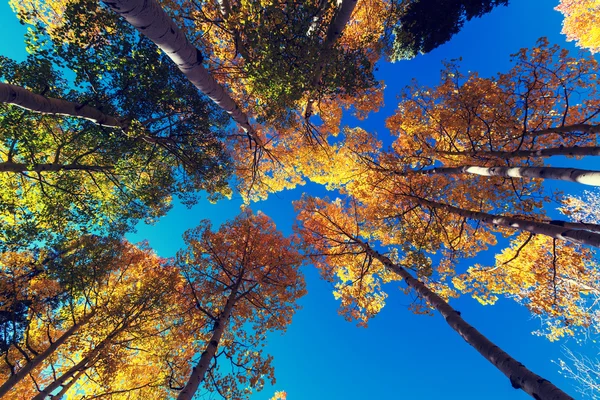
(152, 21)
(28, 100)
(552, 230)
(586, 177)
(341, 18)
(520, 377)
(573, 151)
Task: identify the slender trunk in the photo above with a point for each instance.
(322, 9)
(23, 372)
(225, 8)
(85, 363)
(28, 100)
(520, 377)
(67, 386)
(219, 328)
(341, 18)
(75, 370)
(561, 130)
(20, 167)
(150, 19)
(574, 151)
(586, 177)
(541, 228)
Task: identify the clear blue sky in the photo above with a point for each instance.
(400, 355)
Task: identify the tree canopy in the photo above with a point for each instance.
(123, 108)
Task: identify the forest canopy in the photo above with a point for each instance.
(468, 192)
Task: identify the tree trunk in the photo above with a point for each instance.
(561, 130)
(20, 167)
(225, 8)
(341, 18)
(586, 177)
(520, 377)
(75, 370)
(28, 100)
(575, 151)
(219, 327)
(85, 363)
(541, 228)
(576, 225)
(150, 19)
(23, 372)
(67, 386)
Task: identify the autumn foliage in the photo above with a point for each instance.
(100, 129)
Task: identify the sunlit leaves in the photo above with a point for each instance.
(581, 22)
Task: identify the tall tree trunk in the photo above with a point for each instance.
(150, 19)
(341, 18)
(583, 176)
(574, 151)
(86, 362)
(65, 388)
(552, 230)
(20, 167)
(75, 370)
(225, 8)
(520, 377)
(23, 372)
(219, 327)
(576, 225)
(561, 130)
(28, 100)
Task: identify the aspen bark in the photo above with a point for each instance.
(28, 100)
(574, 151)
(152, 21)
(341, 18)
(23, 372)
(520, 377)
(541, 228)
(583, 176)
(219, 327)
(561, 130)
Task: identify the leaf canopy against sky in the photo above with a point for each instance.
(392, 337)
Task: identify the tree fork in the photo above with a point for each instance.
(520, 377)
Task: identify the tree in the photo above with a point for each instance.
(167, 142)
(555, 281)
(516, 118)
(111, 330)
(333, 235)
(244, 280)
(581, 23)
(423, 25)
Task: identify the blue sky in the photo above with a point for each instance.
(400, 355)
